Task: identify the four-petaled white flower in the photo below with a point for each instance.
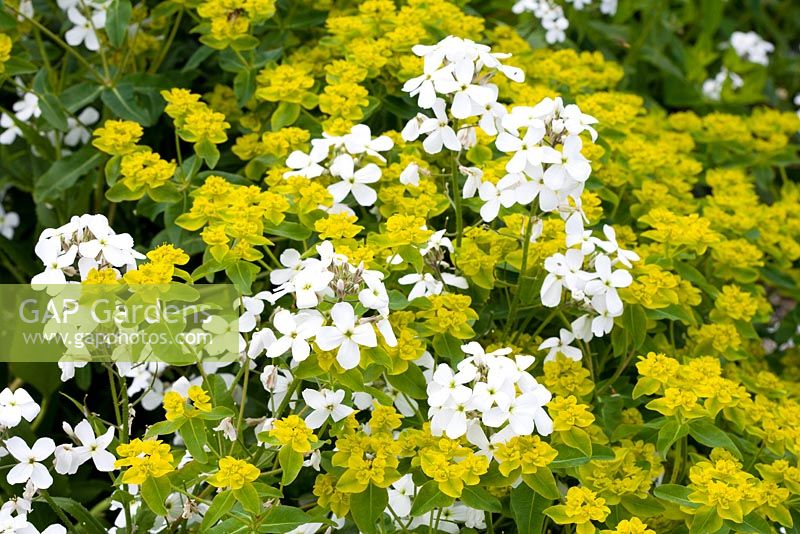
(561, 345)
(603, 287)
(94, 447)
(325, 403)
(30, 460)
(15, 406)
(354, 181)
(346, 335)
(296, 330)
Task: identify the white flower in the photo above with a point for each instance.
(429, 83)
(603, 287)
(425, 284)
(94, 447)
(494, 196)
(751, 47)
(561, 345)
(474, 180)
(260, 341)
(292, 261)
(227, 428)
(66, 459)
(360, 141)
(448, 387)
(77, 132)
(438, 130)
(27, 108)
(346, 335)
(374, 296)
(400, 494)
(354, 181)
(84, 30)
(9, 220)
(306, 165)
(308, 283)
(410, 175)
(253, 306)
(562, 269)
(115, 248)
(608, 7)
(625, 257)
(12, 130)
(469, 98)
(54, 262)
(527, 150)
(30, 466)
(10, 524)
(524, 414)
(324, 404)
(296, 330)
(15, 406)
(573, 167)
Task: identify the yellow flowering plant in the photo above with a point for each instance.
(511, 266)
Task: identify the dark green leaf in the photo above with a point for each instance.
(367, 507)
(64, 173)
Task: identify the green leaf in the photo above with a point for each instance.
(578, 438)
(117, 18)
(642, 507)
(85, 520)
(284, 115)
(242, 274)
(155, 492)
(291, 463)
(528, 508)
(708, 434)
(410, 382)
(428, 498)
(194, 436)
(543, 482)
(281, 519)
(220, 506)
(64, 173)
(675, 494)
(208, 151)
(167, 193)
(668, 434)
(134, 103)
(447, 346)
(120, 193)
(216, 413)
(163, 427)
(367, 507)
(705, 521)
(53, 111)
(248, 496)
(480, 499)
(289, 230)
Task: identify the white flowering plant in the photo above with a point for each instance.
(505, 266)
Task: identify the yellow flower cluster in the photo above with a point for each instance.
(117, 137)
(292, 431)
(176, 405)
(233, 473)
(144, 459)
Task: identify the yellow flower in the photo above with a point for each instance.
(174, 404)
(633, 525)
(337, 226)
(5, 50)
(526, 452)
(567, 413)
(293, 431)
(179, 103)
(144, 459)
(117, 137)
(200, 399)
(233, 473)
(168, 254)
(145, 169)
(583, 505)
(102, 276)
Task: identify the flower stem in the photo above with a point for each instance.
(456, 200)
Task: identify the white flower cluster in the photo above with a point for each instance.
(87, 16)
(592, 270)
(86, 446)
(489, 398)
(91, 241)
(751, 47)
(712, 88)
(457, 72)
(550, 15)
(312, 281)
(546, 163)
(350, 158)
(25, 110)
